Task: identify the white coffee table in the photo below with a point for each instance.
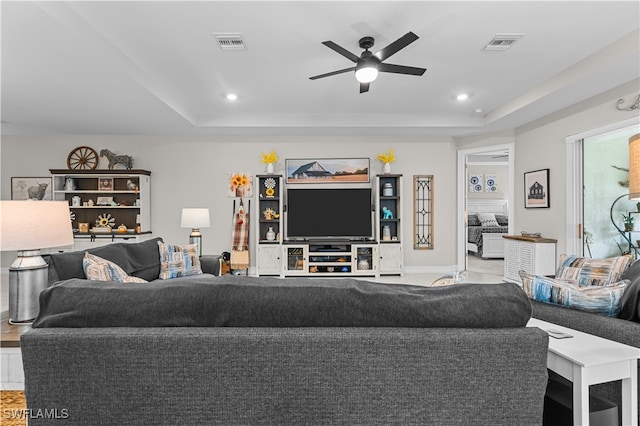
(586, 360)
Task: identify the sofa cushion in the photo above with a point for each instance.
(137, 259)
(586, 271)
(99, 269)
(603, 300)
(631, 298)
(178, 261)
(237, 301)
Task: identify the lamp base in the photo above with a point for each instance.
(196, 238)
(28, 276)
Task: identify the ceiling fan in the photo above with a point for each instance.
(368, 65)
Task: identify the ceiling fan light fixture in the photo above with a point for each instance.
(366, 74)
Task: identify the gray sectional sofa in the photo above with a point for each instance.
(624, 329)
(207, 350)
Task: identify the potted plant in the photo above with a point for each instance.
(627, 219)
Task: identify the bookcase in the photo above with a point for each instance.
(268, 224)
(389, 223)
(106, 205)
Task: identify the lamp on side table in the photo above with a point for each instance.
(28, 226)
(195, 219)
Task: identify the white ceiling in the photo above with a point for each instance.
(154, 67)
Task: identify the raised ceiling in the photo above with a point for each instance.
(150, 67)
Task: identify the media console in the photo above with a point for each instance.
(380, 254)
(330, 258)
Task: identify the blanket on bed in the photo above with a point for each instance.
(475, 234)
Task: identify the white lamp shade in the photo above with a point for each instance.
(195, 218)
(33, 225)
(634, 167)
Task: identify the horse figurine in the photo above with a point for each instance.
(386, 213)
(125, 160)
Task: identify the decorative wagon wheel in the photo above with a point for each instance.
(82, 158)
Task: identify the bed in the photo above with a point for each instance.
(486, 240)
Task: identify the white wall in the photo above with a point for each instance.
(193, 171)
(542, 145)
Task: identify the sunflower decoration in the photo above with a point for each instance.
(105, 220)
(240, 185)
(270, 185)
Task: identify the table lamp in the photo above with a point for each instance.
(634, 167)
(27, 227)
(195, 219)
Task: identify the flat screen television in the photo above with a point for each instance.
(340, 213)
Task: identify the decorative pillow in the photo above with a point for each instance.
(601, 300)
(178, 261)
(472, 220)
(587, 271)
(99, 269)
(503, 220)
(487, 219)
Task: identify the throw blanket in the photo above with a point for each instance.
(239, 301)
(240, 240)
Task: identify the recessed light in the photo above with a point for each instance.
(462, 97)
(232, 96)
(478, 110)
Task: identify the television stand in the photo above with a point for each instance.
(331, 258)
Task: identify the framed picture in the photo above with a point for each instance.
(475, 183)
(104, 201)
(327, 170)
(31, 188)
(536, 189)
(105, 184)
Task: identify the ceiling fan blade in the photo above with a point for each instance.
(329, 74)
(394, 47)
(401, 69)
(341, 50)
(364, 87)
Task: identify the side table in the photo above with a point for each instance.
(587, 360)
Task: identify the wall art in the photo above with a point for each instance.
(31, 188)
(327, 170)
(423, 212)
(240, 185)
(475, 183)
(490, 183)
(536, 189)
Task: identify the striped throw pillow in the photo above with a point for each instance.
(99, 269)
(601, 300)
(178, 261)
(586, 271)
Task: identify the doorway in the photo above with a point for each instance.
(576, 202)
(485, 185)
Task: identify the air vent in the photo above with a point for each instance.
(503, 41)
(230, 41)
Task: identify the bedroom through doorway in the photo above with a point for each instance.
(485, 192)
